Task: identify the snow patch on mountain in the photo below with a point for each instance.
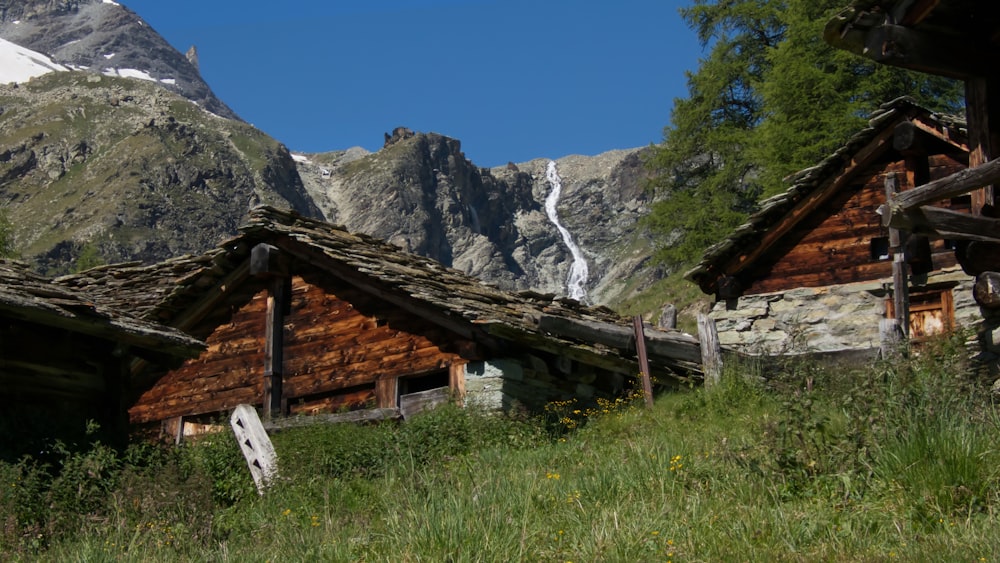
(18, 64)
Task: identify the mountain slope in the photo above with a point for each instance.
(137, 171)
(104, 37)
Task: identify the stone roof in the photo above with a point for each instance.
(27, 296)
(163, 291)
(804, 183)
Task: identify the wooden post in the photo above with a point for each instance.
(981, 138)
(269, 263)
(274, 349)
(900, 287)
(668, 317)
(640, 347)
(256, 446)
(711, 350)
(890, 338)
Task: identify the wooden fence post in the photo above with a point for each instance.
(711, 350)
(640, 347)
(256, 446)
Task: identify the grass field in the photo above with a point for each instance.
(794, 463)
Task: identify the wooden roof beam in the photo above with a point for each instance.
(945, 55)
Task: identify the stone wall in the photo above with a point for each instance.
(529, 381)
(827, 319)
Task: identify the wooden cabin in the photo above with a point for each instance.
(961, 40)
(812, 270)
(64, 359)
(301, 317)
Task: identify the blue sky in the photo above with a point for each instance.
(512, 80)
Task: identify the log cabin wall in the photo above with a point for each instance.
(340, 346)
(838, 244)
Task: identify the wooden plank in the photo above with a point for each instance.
(711, 350)
(640, 346)
(255, 445)
(414, 403)
(274, 346)
(386, 391)
(456, 380)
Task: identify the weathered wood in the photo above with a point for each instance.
(981, 142)
(386, 391)
(674, 345)
(890, 338)
(668, 317)
(277, 303)
(987, 290)
(900, 285)
(906, 47)
(355, 417)
(456, 380)
(936, 222)
(413, 403)
(640, 346)
(943, 188)
(905, 137)
(711, 350)
(255, 445)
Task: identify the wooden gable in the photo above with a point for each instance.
(826, 229)
(342, 348)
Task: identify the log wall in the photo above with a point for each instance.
(338, 342)
(833, 245)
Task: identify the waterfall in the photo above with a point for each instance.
(577, 278)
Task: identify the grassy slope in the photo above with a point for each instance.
(888, 464)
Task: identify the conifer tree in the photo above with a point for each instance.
(768, 99)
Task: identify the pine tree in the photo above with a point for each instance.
(770, 98)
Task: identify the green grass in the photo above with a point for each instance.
(887, 463)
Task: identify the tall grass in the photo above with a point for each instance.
(802, 463)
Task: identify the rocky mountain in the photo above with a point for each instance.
(115, 146)
(134, 170)
(105, 37)
(421, 193)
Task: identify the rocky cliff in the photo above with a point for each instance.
(105, 37)
(421, 193)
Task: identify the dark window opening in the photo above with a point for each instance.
(879, 248)
(416, 384)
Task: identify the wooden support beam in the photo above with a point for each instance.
(940, 54)
(900, 286)
(640, 346)
(456, 380)
(941, 223)
(274, 344)
(387, 392)
(950, 186)
(982, 139)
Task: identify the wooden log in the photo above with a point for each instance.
(274, 348)
(978, 91)
(949, 186)
(937, 222)
(977, 257)
(267, 261)
(640, 346)
(670, 345)
(711, 350)
(987, 290)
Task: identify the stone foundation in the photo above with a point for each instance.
(827, 319)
